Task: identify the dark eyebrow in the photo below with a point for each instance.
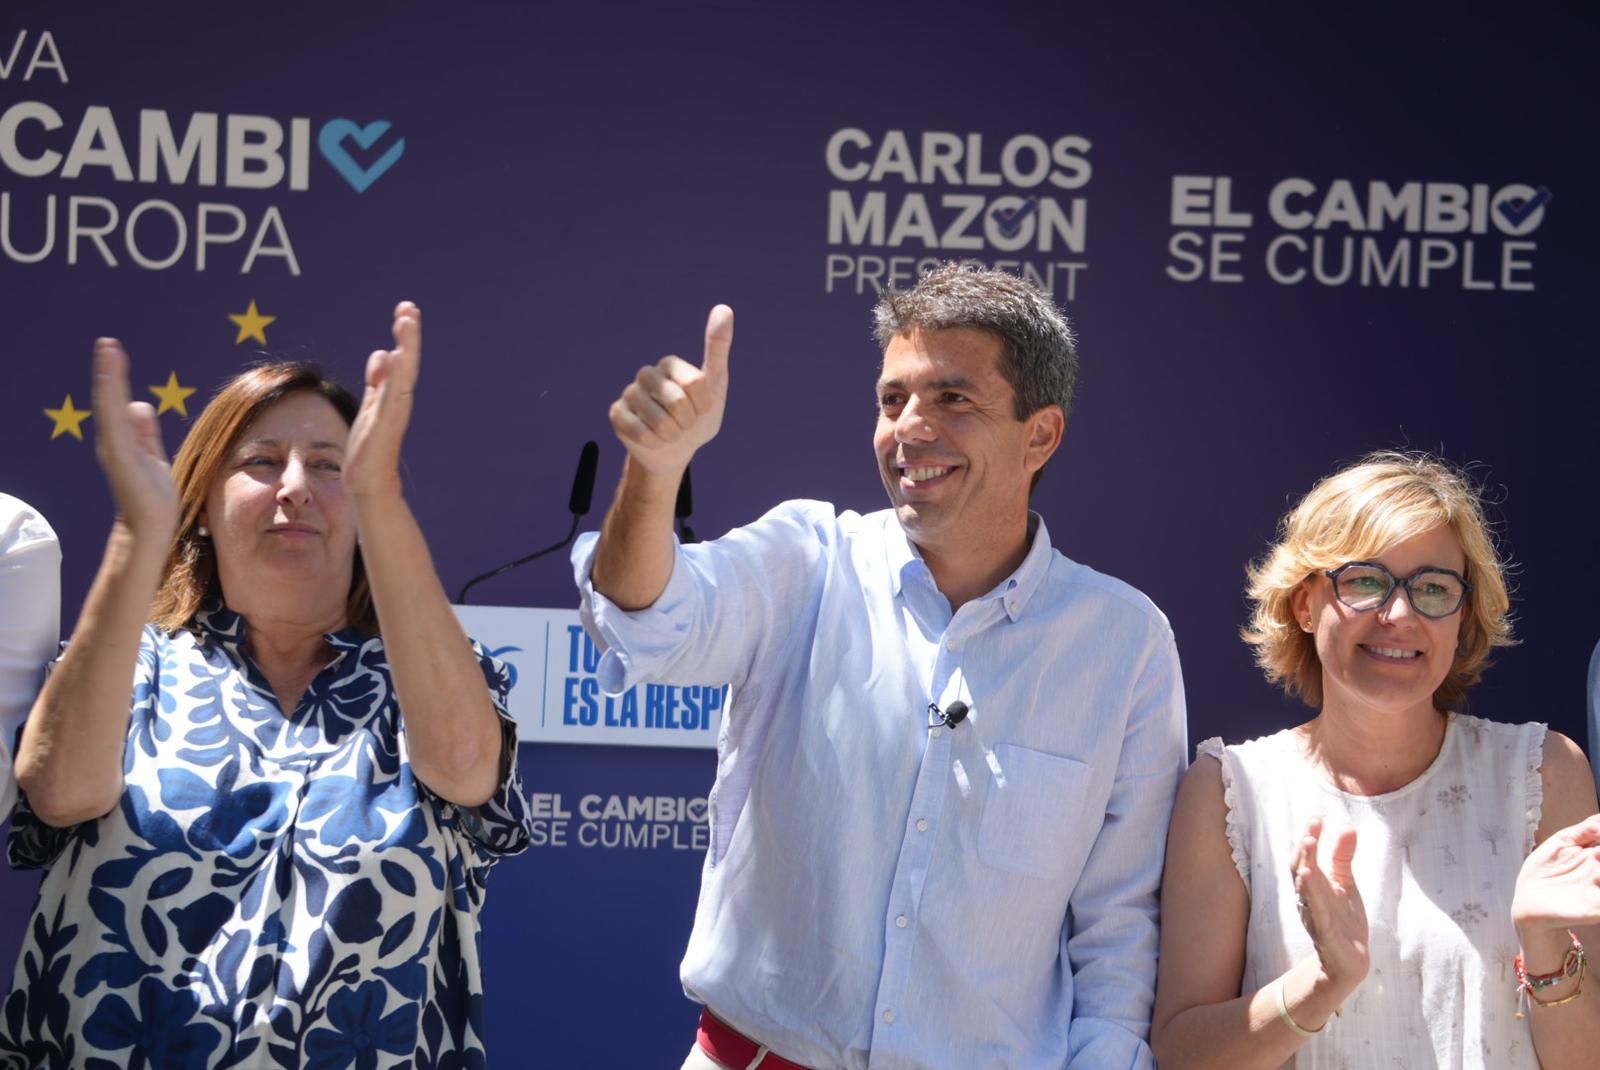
(954, 383)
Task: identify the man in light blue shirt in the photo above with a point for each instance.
(946, 769)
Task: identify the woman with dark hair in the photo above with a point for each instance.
(1394, 883)
(273, 853)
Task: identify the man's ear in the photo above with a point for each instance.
(1045, 430)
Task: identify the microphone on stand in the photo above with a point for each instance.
(683, 507)
(578, 503)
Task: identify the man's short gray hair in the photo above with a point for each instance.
(1038, 350)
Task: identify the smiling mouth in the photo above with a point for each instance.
(1391, 653)
(924, 473)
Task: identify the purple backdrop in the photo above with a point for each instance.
(579, 183)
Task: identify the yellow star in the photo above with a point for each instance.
(172, 395)
(69, 420)
(252, 324)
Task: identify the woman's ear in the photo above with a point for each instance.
(1300, 605)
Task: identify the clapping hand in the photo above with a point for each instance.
(1559, 885)
(673, 408)
(372, 458)
(127, 442)
(1331, 907)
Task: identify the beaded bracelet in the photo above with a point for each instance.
(1574, 964)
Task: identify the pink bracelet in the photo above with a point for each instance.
(1529, 984)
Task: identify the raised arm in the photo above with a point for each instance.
(669, 411)
(1558, 889)
(452, 730)
(1200, 1019)
(69, 763)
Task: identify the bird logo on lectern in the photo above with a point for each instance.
(511, 668)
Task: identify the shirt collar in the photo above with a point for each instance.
(902, 557)
(1020, 586)
(217, 622)
(1015, 591)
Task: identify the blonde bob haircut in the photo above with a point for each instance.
(190, 576)
(1356, 514)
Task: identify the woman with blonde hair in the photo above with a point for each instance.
(1394, 882)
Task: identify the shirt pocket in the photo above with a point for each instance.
(1033, 809)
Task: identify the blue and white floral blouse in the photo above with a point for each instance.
(272, 891)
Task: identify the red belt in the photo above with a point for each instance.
(733, 1049)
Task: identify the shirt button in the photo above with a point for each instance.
(1011, 607)
(933, 733)
(950, 644)
(922, 824)
(888, 1017)
(900, 922)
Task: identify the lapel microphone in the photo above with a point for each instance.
(950, 716)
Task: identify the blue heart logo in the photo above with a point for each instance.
(331, 142)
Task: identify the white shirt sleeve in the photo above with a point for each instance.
(1594, 712)
(727, 601)
(30, 622)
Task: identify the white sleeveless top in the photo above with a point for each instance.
(1436, 863)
